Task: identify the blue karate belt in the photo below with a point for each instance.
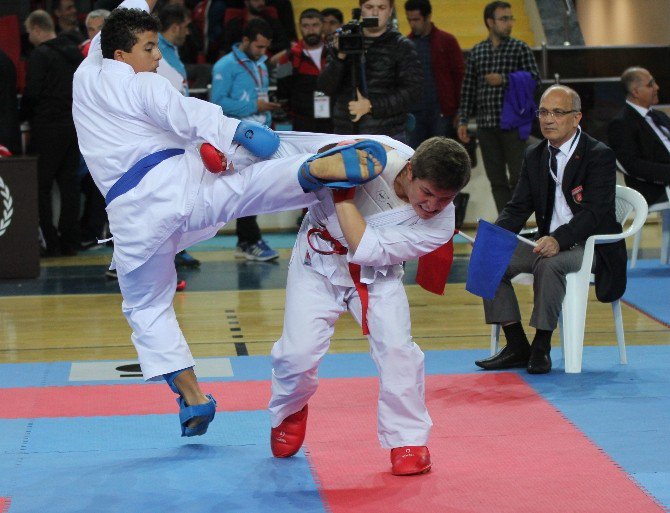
(134, 175)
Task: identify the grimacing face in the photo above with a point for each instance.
(426, 199)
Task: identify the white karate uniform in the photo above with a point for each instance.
(320, 289)
(122, 116)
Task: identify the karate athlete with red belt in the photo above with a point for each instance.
(348, 256)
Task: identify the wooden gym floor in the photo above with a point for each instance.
(234, 307)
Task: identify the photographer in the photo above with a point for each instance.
(374, 75)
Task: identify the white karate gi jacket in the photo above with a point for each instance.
(106, 96)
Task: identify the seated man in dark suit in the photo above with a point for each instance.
(569, 182)
(640, 137)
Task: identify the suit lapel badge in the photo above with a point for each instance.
(577, 194)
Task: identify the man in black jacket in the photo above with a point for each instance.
(640, 136)
(10, 136)
(387, 88)
(569, 182)
(47, 105)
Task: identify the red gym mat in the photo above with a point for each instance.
(110, 400)
(496, 446)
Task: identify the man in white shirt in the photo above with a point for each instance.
(568, 181)
(140, 139)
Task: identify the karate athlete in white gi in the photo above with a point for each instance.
(140, 139)
(366, 233)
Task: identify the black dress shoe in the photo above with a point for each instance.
(539, 361)
(506, 358)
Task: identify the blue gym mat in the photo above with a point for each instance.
(648, 289)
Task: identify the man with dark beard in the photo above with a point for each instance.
(309, 109)
(236, 21)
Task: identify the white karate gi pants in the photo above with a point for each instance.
(148, 291)
(313, 304)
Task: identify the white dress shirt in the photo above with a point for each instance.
(562, 213)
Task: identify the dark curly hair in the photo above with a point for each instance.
(443, 162)
(121, 29)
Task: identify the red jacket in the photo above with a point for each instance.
(448, 68)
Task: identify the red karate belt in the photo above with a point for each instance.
(354, 270)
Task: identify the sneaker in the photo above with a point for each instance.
(183, 259)
(111, 274)
(259, 251)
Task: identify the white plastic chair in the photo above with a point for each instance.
(663, 208)
(572, 320)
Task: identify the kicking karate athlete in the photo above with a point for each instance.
(348, 256)
(140, 139)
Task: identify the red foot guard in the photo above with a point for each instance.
(287, 438)
(410, 460)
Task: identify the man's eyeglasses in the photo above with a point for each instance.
(505, 18)
(554, 114)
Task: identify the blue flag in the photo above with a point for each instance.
(491, 254)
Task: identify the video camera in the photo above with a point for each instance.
(351, 33)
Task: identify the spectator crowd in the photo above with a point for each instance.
(314, 72)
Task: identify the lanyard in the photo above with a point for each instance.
(257, 80)
(574, 140)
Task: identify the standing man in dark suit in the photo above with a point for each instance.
(47, 105)
(569, 182)
(640, 136)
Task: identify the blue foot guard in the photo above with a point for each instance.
(352, 166)
(203, 412)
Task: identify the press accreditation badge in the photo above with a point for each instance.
(321, 105)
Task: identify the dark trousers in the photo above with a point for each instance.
(58, 161)
(431, 123)
(548, 287)
(247, 230)
(320, 126)
(502, 152)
